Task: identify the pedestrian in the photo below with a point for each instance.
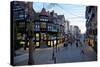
(77, 44)
(54, 60)
(89, 42)
(70, 43)
(82, 52)
(81, 44)
(84, 40)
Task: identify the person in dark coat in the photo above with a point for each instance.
(76, 44)
(82, 52)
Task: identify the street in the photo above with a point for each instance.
(71, 53)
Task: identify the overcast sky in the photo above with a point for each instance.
(73, 13)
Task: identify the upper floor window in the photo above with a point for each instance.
(37, 27)
(49, 28)
(43, 25)
(42, 19)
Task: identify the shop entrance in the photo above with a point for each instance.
(43, 41)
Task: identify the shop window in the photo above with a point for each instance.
(49, 37)
(58, 41)
(37, 36)
(49, 43)
(19, 36)
(45, 37)
(54, 42)
(22, 42)
(37, 43)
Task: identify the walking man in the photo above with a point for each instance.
(82, 52)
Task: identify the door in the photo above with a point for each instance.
(43, 40)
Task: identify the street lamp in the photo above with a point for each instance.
(53, 51)
(53, 54)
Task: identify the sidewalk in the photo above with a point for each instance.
(21, 51)
(21, 57)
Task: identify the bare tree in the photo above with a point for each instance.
(30, 33)
(31, 47)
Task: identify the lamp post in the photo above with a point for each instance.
(56, 43)
(53, 54)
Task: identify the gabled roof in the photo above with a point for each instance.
(43, 12)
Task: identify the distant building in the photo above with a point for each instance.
(71, 29)
(76, 32)
(67, 27)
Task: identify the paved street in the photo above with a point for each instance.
(63, 55)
